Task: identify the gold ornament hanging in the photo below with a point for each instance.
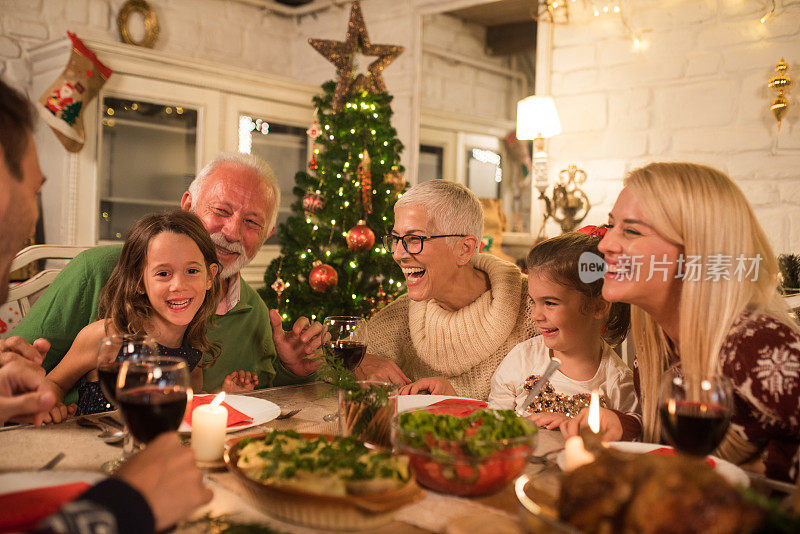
(341, 53)
(780, 83)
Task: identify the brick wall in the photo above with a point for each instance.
(695, 91)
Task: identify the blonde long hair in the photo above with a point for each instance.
(701, 210)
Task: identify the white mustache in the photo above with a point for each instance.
(219, 240)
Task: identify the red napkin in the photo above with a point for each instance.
(457, 407)
(669, 451)
(23, 509)
(235, 417)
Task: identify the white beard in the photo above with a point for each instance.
(242, 260)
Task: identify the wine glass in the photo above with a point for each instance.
(152, 393)
(695, 411)
(345, 339)
(112, 351)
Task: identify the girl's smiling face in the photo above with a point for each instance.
(561, 315)
(642, 265)
(175, 279)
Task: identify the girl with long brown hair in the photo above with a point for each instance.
(165, 285)
(577, 326)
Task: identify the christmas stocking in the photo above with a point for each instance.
(61, 105)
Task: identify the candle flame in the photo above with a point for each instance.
(218, 399)
(594, 413)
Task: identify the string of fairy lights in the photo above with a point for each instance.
(557, 12)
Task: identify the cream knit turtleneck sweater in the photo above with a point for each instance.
(465, 346)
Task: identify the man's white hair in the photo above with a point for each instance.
(249, 161)
(452, 207)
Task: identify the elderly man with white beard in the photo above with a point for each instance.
(236, 196)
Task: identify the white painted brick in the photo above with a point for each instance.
(794, 232)
(574, 58)
(663, 16)
(730, 33)
(719, 140)
(594, 30)
(775, 224)
(761, 55)
(583, 113)
(9, 48)
(489, 103)
(789, 135)
(703, 65)
(77, 11)
(759, 193)
(790, 192)
(6, 6)
(636, 75)
(695, 104)
(458, 94)
(741, 7)
(659, 142)
(579, 81)
(605, 144)
(99, 14)
(603, 170)
(617, 52)
(26, 29)
(630, 109)
(748, 166)
(681, 42)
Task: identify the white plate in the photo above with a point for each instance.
(260, 410)
(412, 402)
(28, 480)
(730, 472)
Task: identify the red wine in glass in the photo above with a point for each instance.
(107, 373)
(694, 428)
(152, 410)
(349, 352)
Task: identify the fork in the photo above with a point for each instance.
(287, 415)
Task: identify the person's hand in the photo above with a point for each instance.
(24, 395)
(15, 347)
(295, 345)
(550, 421)
(610, 425)
(374, 367)
(239, 381)
(435, 385)
(167, 477)
(60, 413)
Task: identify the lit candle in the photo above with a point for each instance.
(209, 423)
(575, 453)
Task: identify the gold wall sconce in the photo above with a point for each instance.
(780, 83)
(568, 205)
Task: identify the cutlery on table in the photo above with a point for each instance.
(552, 367)
(108, 433)
(287, 415)
(53, 462)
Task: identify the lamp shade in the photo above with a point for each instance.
(537, 117)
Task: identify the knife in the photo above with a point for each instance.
(552, 367)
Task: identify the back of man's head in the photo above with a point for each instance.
(16, 124)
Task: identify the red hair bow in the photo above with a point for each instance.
(596, 231)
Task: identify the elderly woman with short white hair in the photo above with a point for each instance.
(463, 312)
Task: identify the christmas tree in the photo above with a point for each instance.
(331, 262)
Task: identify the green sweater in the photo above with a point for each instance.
(70, 303)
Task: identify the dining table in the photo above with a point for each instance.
(28, 448)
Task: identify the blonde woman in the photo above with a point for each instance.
(703, 292)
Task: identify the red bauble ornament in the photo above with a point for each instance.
(322, 277)
(360, 237)
(313, 202)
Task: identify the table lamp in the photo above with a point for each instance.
(537, 119)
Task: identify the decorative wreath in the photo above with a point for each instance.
(151, 29)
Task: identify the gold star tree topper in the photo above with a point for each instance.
(341, 53)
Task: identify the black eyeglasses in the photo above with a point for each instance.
(412, 243)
